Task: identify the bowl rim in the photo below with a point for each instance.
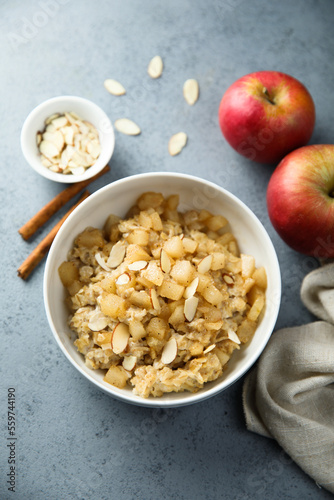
(41, 110)
(189, 398)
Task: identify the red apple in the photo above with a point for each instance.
(265, 115)
(300, 199)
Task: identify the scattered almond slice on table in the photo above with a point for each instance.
(114, 87)
(127, 127)
(176, 143)
(155, 67)
(191, 91)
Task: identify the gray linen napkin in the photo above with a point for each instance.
(289, 395)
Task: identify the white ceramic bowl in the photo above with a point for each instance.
(87, 110)
(117, 198)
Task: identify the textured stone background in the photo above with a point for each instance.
(73, 441)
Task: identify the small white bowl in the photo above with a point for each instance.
(195, 193)
(87, 110)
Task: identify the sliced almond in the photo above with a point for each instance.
(123, 279)
(116, 255)
(114, 87)
(56, 137)
(38, 138)
(46, 162)
(176, 143)
(100, 260)
(120, 338)
(154, 299)
(208, 349)
(190, 308)
(129, 362)
(68, 135)
(94, 149)
(78, 170)
(59, 122)
(191, 289)
(127, 127)
(233, 336)
(48, 149)
(191, 91)
(75, 116)
(155, 67)
(169, 351)
(138, 265)
(50, 118)
(228, 279)
(205, 264)
(165, 261)
(97, 321)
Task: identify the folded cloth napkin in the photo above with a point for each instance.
(289, 396)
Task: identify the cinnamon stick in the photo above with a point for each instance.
(30, 227)
(42, 248)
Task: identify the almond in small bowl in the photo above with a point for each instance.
(67, 139)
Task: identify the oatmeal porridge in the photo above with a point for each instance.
(161, 299)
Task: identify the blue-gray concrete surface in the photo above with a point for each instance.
(74, 442)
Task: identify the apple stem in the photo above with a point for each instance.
(266, 93)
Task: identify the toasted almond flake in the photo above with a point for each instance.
(169, 351)
(155, 67)
(127, 127)
(114, 87)
(233, 336)
(205, 264)
(120, 338)
(190, 307)
(138, 265)
(100, 260)
(176, 143)
(154, 299)
(48, 149)
(165, 261)
(191, 91)
(116, 255)
(38, 138)
(129, 362)
(97, 321)
(191, 289)
(208, 349)
(123, 279)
